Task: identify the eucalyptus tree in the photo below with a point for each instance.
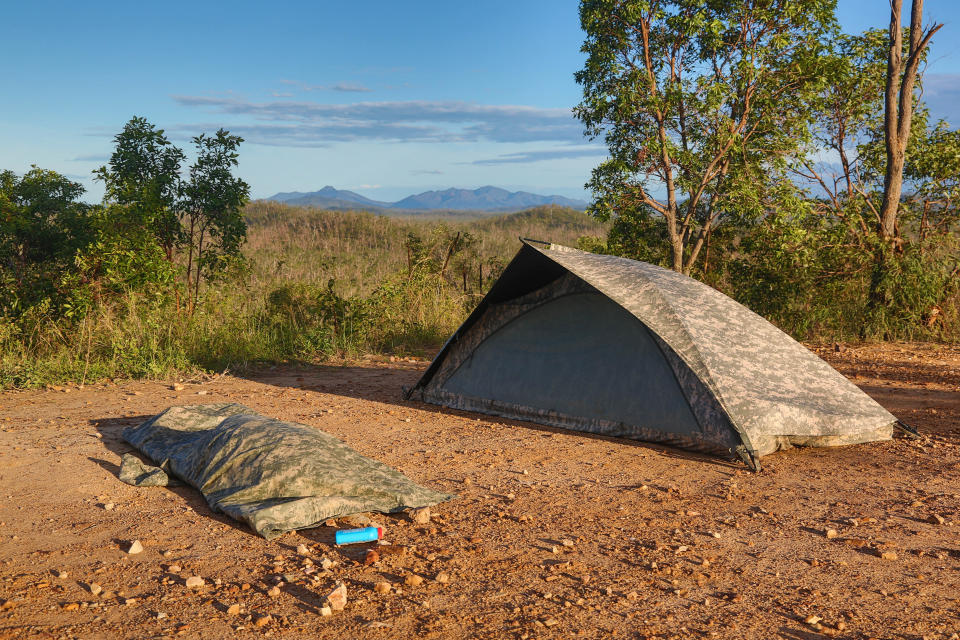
(700, 103)
(212, 208)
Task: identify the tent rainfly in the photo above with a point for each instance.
(624, 348)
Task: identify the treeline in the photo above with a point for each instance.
(757, 147)
(173, 273)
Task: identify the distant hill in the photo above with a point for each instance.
(328, 198)
(482, 199)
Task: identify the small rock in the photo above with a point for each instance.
(176, 387)
(72, 606)
(443, 577)
(194, 582)
(160, 615)
(326, 563)
(467, 481)
(888, 555)
(174, 568)
(372, 557)
(420, 516)
(382, 588)
(936, 519)
(6, 605)
(567, 542)
(337, 599)
(831, 534)
(262, 620)
(233, 609)
(95, 588)
(812, 619)
(274, 592)
(204, 392)
(633, 595)
(326, 611)
(109, 506)
(303, 550)
(63, 575)
(413, 580)
(550, 622)
(135, 548)
(130, 601)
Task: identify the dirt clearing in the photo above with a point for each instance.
(554, 533)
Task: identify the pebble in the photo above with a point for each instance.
(567, 542)
(174, 568)
(413, 580)
(95, 588)
(443, 577)
(176, 387)
(831, 534)
(262, 621)
(109, 506)
(812, 619)
(135, 548)
(372, 557)
(303, 550)
(936, 519)
(233, 609)
(326, 611)
(633, 595)
(204, 392)
(326, 563)
(382, 588)
(63, 575)
(337, 599)
(421, 516)
(888, 555)
(274, 592)
(194, 582)
(72, 606)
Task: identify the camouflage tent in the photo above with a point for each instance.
(625, 348)
(276, 476)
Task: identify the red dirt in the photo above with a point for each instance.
(664, 543)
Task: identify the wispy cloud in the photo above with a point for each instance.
(300, 123)
(525, 157)
(346, 87)
(426, 172)
(349, 87)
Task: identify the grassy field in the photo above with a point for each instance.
(318, 285)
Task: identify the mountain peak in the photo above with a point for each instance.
(486, 198)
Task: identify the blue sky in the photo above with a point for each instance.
(383, 98)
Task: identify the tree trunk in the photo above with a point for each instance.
(898, 108)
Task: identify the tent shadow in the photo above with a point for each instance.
(385, 383)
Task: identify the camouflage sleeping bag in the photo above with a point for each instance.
(276, 476)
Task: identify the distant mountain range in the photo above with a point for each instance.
(482, 199)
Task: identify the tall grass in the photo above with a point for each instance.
(318, 285)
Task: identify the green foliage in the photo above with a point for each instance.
(143, 180)
(213, 201)
(706, 99)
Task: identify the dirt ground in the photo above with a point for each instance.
(554, 533)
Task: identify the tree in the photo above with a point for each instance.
(701, 98)
(143, 178)
(898, 107)
(212, 205)
(42, 224)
